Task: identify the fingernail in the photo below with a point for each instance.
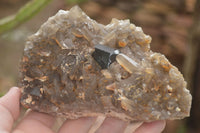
(15, 89)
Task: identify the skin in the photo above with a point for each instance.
(35, 122)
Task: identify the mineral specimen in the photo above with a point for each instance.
(74, 67)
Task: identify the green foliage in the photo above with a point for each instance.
(75, 1)
(181, 129)
(24, 14)
(1, 94)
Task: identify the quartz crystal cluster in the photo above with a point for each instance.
(75, 67)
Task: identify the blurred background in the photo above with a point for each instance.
(174, 26)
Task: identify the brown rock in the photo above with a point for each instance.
(60, 76)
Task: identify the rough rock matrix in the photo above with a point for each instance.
(62, 73)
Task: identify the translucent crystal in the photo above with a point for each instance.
(60, 76)
(127, 63)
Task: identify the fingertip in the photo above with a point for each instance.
(41, 122)
(118, 126)
(15, 88)
(9, 108)
(82, 125)
(162, 125)
(152, 127)
(11, 101)
(16, 91)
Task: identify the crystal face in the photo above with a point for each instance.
(104, 55)
(72, 68)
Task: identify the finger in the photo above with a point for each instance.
(35, 122)
(81, 125)
(132, 127)
(152, 127)
(98, 122)
(112, 125)
(9, 109)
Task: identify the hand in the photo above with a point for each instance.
(35, 122)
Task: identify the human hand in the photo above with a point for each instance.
(35, 122)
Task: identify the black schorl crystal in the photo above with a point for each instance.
(104, 55)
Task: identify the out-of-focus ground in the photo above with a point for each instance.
(167, 21)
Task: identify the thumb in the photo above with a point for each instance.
(9, 109)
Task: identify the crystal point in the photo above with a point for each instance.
(104, 55)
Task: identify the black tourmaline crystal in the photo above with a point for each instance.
(104, 55)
